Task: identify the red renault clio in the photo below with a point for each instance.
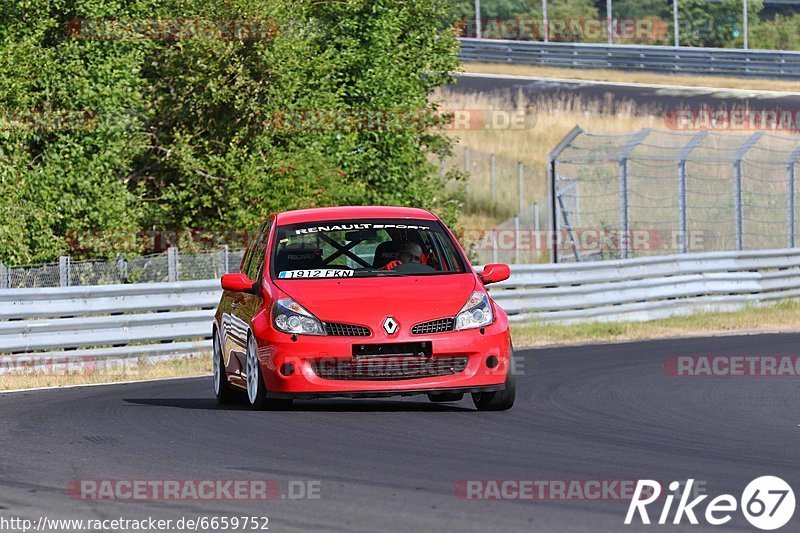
(360, 302)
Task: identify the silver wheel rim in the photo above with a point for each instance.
(252, 373)
(217, 356)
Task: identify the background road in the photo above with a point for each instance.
(652, 99)
(591, 412)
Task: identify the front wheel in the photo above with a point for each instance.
(502, 400)
(256, 386)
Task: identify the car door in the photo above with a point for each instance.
(245, 305)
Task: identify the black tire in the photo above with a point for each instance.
(502, 400)
(222, 389)
(257, 392)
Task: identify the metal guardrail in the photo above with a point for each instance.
(721, 61)
(167, 319)
(650, 287)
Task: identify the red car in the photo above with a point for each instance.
(360, 302)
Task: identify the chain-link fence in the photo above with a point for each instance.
(496, 185)
(656, 192)
(169, 266)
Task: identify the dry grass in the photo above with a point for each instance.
(546, 121)
(781, 316)
(634, 77)
(192, 366)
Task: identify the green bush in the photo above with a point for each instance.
(181, 133)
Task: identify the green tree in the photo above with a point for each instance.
(181, 133)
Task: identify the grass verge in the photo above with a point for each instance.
(781, 316)
(688, 80)
(134, 371)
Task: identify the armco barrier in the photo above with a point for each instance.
(650, 287)
(719, 61)
(166, 319)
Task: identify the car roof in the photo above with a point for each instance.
(300, 216)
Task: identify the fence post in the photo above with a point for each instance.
(5, 278)
(683, 230)
(226, 260)
(737, 184)
(491, 178)
(122, 269)
(790, 186)
(552, 190)
(467, 165)
(520, 172)
(624, 222)
(172, 264)
(536, 227)
(516, 239)
(63, 271)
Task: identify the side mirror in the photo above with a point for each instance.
(238, 283)
(494, 273)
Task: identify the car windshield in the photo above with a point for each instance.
(364, 248)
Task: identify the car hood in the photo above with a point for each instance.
(367, 301)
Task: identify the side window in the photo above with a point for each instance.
(253, 263)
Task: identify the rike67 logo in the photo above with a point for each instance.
(767, 503)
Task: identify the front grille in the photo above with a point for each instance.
(345, 330)
(389, 369)
(434, 326)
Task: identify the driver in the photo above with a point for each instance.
(410, 252)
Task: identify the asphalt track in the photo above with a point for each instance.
(590, 412)
(653, 98)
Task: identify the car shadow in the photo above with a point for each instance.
(342, 405)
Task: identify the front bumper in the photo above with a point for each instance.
(487, 355)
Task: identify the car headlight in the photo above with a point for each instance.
(476, 313)
(291, 317)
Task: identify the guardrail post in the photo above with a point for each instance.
(737, 184)
(5, 276)
(172, 264)
(790, 187)
(63, 271)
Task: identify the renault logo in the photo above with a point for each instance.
(390, 325)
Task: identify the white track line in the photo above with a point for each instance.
(738, 92)
(52, 387)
